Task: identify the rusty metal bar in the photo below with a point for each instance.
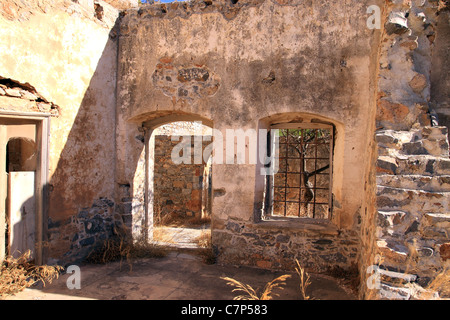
(286, 175)
(315, 175)
(295, 201)
(302, 163)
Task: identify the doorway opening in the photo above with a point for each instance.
(22, 180)
(181, 185)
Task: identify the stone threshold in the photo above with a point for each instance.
(306, 225)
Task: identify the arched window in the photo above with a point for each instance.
(301, 176)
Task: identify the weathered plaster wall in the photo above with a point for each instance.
(243, 66)
(238, 64)
(69, 56)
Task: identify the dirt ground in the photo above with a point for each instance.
(177, 276)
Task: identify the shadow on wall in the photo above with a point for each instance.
(82, 210)
(440, 71)
(20, 236)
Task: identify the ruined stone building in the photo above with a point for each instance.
(85, 85)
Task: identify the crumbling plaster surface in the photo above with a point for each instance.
(69, 56)
(268, 58)
(240, 66)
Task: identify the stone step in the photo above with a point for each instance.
(397, 136)
(423, 141)
(389, 139)
(415, 182)
(438, 218)
(406, 277)
(413, 165)
(403, 225)
(392, 223)
(434, 133)
(391, 292)
(393, 253)
(435, 225)
(389, 198)
(419, 165)
(399, 255)
(438, 148)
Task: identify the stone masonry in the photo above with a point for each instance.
(16, 96)
(118, 71)
(178, 188)
(413, 165)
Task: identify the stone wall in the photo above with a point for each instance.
(247, 65)
(86, 230)
(178, 188)
(244, 65)
(413, 159)
(19, 97)
(316, 247)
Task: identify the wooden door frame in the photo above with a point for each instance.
(42, 122)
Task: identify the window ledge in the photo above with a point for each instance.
(307, 225)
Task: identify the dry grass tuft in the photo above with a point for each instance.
(305, 281)
(208, 255)
(348, 278)
(160, 234)
(251, 294)
(16, 274)
(119, 249)
(144, 249)
(111, 250)
(206, 251)
(177, 219)
(443, 5)
(440, 284)
(204, 239)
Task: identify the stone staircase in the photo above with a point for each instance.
(413, 201)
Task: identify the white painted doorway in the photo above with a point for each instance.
(23, 180)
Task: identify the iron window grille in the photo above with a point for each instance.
(301, 187)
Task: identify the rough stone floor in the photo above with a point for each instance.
(178, 276)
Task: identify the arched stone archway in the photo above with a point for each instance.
(137, 194)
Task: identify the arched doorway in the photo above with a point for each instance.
(181, 214)
(178, 182)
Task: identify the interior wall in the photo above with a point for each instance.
(68, 54)
(210, 62)
(25, 130)
(21, 148)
